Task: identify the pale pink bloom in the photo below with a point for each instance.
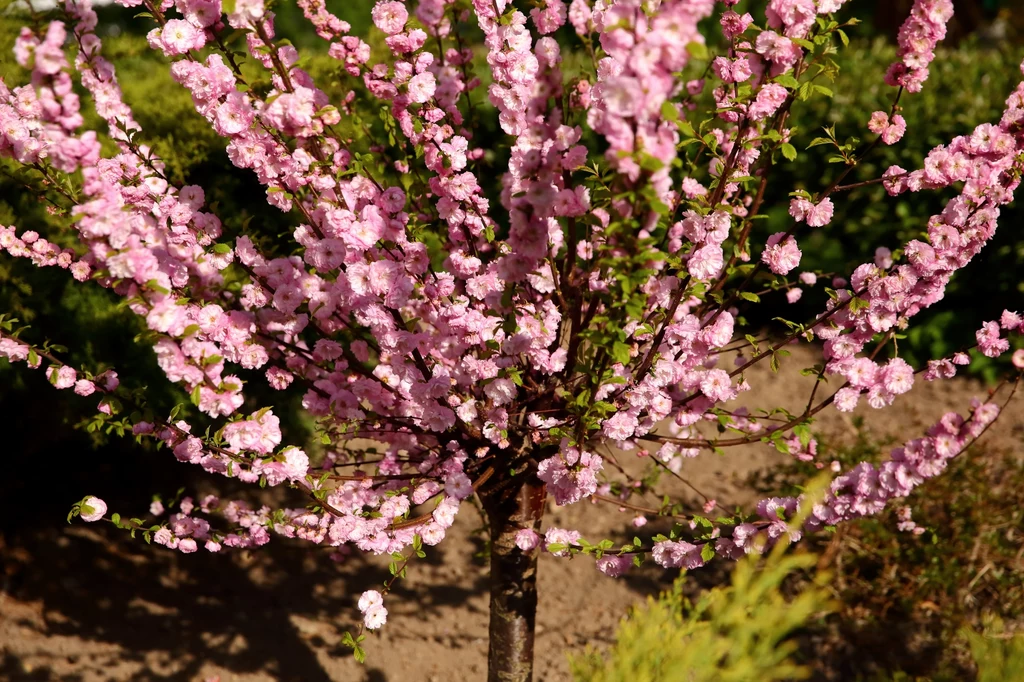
(179, 37)
(84, 387)
(527, 539)
(820, 214)
(369, 599)
(92, 509)
(705, 262)
(781, 256)
(65, 376)
(375, 617)
(390, 16)
(458, 486)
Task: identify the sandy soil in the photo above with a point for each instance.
(86, 604)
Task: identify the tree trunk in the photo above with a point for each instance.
(511, 506)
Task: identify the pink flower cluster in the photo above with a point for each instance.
(706, 233)
(781, 253)
(863, 491)
(867, 489)
(636, 79)
(891, 129)
(43, 253)
(987, 162)
(918, 36)
(371, 604)
(815, 215)
(570, 475)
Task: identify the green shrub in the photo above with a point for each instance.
(735, 633)
(749, 631)
(998, 655)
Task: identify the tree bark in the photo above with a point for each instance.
(511, 506)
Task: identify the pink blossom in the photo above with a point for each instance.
(620, 426)
(670, 554)
(375, 617)
(458, 486)
(917, 39)
(84, 387)
(371, 605)
(62, 377)
(390, 16)
(179, 37)
(527, 539)
(717, 386)
(892, 131)
(733, 24)
(780, 255)
(572, 477)
(820, 214)
(421, 87)
(560, 536)
(768, 100)
(706, 262)
(93, 509)
(614, 566)
(846, 398)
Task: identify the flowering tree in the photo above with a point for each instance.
(452, 344)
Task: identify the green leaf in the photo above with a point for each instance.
(750, 296)
(857, 303)
(697, 50)
(621, 352)
(803, 432)
(788, 150)
(651, 163)
(221, 248)
(788, 81)
(669, 111)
